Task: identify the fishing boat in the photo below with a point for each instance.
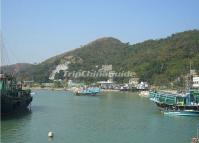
(13, 97)
(91, 91)
(185, 104)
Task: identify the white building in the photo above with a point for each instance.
(107, 67)
(142, 86)
(195, 82)
(106, 84)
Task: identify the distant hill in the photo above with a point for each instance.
(164, 60)
(16, 68)
(159, 61)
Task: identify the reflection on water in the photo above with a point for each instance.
(13, 124)
(17, 114)
(38, 108)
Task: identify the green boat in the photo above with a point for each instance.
(186, 104)
(13, 98)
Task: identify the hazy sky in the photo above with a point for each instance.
(34, 30)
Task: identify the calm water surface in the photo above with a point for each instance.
(111, 118)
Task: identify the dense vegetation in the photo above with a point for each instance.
(159, 62)
(166, 60)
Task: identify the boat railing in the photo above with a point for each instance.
(163, 97)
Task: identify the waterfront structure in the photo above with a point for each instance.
(142, 86)
(106, 84)
(125, 87)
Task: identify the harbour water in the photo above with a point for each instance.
(114, 117)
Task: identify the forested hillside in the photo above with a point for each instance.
(159, 61)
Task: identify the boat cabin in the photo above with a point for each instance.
(190, 98)
(8, 85)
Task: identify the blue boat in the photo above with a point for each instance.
(92, 91)
(186, 104)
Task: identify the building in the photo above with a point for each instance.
(106, 84)
(142, 86)
(195, 79)
(195, 82)
(106, 68)
(193, 73)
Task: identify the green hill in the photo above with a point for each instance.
(159, 61)
(165, 60)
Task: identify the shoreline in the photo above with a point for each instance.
(65, 89)
(141, 93)
(44, 88)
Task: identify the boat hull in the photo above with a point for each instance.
(11, 104)
(86, 94)
(182, 113)
(179, 110)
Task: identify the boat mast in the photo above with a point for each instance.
(188, 78)
(1, 46)
(5, 60)
(4, 54)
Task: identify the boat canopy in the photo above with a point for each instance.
(191, 97)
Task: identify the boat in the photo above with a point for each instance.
(182, 113)
(13, 97)
(184, 104)
(90, 91)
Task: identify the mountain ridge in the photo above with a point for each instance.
(160, 61)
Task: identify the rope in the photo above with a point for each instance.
(5, 54)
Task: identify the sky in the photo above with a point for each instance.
(34, 30)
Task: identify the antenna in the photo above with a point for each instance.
(190, 67)
(1, 45)
(4, 55)
(190, 74)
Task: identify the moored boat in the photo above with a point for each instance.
(92, 91)
(186, 104)
(13, 97)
